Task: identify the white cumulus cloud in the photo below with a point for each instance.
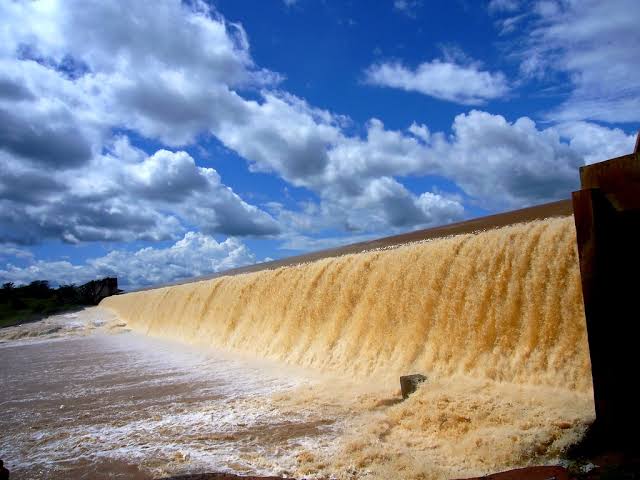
(71, 74)
(595, 143)
(122, 195)
(195, 254)
(445, 80)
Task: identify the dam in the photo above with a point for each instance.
(504, 304)
(494, 318)
(291, 368)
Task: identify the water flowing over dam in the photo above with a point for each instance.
(503, 304)
(520, 321)
(293, 371)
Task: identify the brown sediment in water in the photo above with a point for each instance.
(494, 318)
(504, 304)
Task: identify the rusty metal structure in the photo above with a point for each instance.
(607, 217)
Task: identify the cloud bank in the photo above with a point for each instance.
(83, 86)
(193, 255)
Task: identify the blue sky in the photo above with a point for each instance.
(156, 141)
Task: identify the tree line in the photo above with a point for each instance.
(38, 299)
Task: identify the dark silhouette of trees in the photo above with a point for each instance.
(68, 294)
(38, 299)
(37, 289)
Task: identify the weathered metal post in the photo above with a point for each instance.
(607, 218)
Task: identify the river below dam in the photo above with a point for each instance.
(84, 397)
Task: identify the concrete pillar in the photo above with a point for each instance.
(607, 217)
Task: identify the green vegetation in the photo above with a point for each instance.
(38, 300)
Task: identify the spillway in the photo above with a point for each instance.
(291, 368)
(293, 371)
(502, 305)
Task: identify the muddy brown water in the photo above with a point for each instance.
(92, 403)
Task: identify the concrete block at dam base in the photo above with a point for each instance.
(410, 383)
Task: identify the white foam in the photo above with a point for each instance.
(142, 400)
